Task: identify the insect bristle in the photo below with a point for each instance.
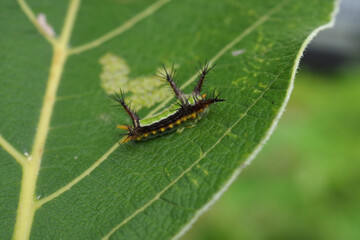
(118, 97)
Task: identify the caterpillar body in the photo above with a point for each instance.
(188, 109)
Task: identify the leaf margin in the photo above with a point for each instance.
(185, 228)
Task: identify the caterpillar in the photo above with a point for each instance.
(188, 109)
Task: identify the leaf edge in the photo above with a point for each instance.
(185, 228)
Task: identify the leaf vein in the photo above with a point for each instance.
(20, 158)
(27, 203)
(124, 27)
(31, 16)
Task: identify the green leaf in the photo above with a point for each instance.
(63, 174)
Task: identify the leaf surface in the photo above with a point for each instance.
(63, 175)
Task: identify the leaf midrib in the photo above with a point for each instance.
(28, 204)
(26, 208)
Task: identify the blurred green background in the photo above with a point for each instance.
(305, 183)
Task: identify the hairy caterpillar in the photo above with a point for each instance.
(188, 108)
